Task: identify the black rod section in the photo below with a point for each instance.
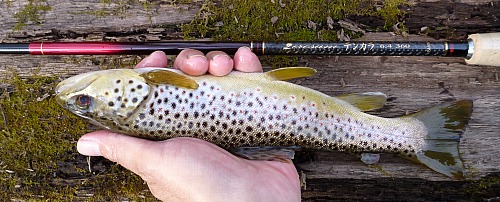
(14, 48)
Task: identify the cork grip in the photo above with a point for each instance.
(486, 49)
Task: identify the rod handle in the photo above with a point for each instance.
(486, 49)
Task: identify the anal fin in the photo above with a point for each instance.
(365, 101)
(267, 153)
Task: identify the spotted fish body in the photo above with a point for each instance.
(255, 110)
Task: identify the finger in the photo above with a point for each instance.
(192, 62)
(220, 63)
(156, 59)
(246, 61)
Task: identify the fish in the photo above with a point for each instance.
(262, 116)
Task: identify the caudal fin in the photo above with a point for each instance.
(445, 124)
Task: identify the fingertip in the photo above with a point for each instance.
(155, 59)
(192, 62)
(220, 63)
(246, 61)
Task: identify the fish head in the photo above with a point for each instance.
(105, 97)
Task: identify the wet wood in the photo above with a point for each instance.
(412, 83)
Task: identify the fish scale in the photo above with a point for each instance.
(245, 110)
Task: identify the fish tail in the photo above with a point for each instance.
(445, 124)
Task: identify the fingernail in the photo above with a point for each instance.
(195, 55)
(88, 148)
(245, 47)
(216, 56)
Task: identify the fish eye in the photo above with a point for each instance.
(83, 101)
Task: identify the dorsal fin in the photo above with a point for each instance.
(288, 73)
(365, 101)
(171, 78)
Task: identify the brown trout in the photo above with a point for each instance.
(261, 116)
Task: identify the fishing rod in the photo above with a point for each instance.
(479, 49)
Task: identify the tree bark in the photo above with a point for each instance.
(411, 83)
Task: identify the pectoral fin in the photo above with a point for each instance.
(268, 153)
(171, 78)
(365, 101)
(288, 73)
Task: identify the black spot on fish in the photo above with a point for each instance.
(186, 115)
(221, 114)
(238, 131)
(212, 116)
(173, 105)
(166, 112)
(196, 114)
(118, 81)
(142, 116)
(258, 135)
(111, 104)
(204, 124)
(250, 118)
(139, 86)
(145, 97)
(158, 101)
(250, 104)
(132, 90)
(151, 111)
(165, 100)
(203, 106)
(224, 126)
(119, 98)
(116, 90)
(130, 81)
(134, 100)
(160, 117)
(122, 105)
(212, 128)
(177, 115)
(106, 93)
(233, 122)
(249, 129)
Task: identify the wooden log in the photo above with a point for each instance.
(412, 83)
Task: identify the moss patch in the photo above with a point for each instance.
(241, 20)
(38, 158)
(31, 13)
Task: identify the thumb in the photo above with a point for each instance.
(132, 153)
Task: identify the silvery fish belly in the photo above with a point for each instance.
(254, 113)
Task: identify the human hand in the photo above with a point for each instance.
(189, 169)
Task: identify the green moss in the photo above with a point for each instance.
(478, 187)
(242, 20)
(38, 157)
(35, 133)
(31, 13)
